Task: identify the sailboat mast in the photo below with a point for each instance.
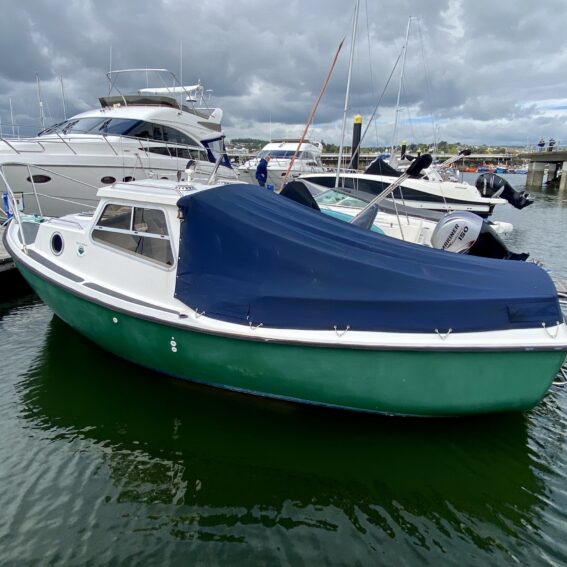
(181, 73)
(313, 110)
(12, 118)
(41, 116)
(63, 98)
(405, 50)
(354, 27)
(109, 70)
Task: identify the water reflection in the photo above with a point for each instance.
(215, 466)
(539, 228)
(17, 302)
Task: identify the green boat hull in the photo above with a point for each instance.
(393, 382)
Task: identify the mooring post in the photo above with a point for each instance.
(535, 174)
(356, 132)
(563, 177)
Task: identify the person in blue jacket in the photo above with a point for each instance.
(262, 171)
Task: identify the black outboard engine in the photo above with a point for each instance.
(466, 233)
(492, 185)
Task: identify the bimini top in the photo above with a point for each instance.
(248, 255)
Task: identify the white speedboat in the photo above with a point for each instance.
(460, 232)
(153, 133)
(237, 287)
(428, 191)
(281, 152)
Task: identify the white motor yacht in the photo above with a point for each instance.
(281, 152)
(153, 133)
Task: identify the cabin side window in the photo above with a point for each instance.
(135, 230)
(174, 136)
(177, 152)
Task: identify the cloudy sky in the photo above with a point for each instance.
(477, 72)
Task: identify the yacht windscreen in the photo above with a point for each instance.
(119, 126)
(278, 154)
(122, 127)
(285, 154)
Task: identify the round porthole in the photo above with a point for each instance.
(39, 178)
(107, 180)
(56, 243)
(129, 178)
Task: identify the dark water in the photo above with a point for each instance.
(103, 463)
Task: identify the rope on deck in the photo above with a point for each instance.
(561, 378)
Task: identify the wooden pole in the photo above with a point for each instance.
(313, 110)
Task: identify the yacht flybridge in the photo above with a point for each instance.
(153, 133)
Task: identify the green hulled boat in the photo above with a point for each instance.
(239, 288)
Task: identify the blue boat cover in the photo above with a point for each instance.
(247, 255)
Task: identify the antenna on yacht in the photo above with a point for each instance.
(313, 110)
(405, 50)
(354, 27)
(62, 98)
(357, 149)
(41, 116)
(109, 70)
(181, 71)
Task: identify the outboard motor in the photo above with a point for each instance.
(492, 185)
(466, 233)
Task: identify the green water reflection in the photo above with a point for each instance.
(241, 478)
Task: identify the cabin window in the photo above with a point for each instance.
(123, 127)
(177, 152)
(135, 230)
(176, 137)
(107, 180)
(116, 216)
(56, 243)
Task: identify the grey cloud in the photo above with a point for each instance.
(479, 68)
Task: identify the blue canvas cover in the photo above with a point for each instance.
(248, 255)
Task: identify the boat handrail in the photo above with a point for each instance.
(65, 142)
(69, 221)
(177, 87)
(47, 170)
(43, 144)
(36, 194)
(198, 173)
(213, 176)
(14, 206)
(5, 141)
